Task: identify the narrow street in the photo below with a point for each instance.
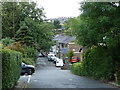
(49, 76)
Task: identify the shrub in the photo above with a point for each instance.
(6, 41)
(77, 68)
(70, 55)
(95, 60)
(11, 67)
(98, 63)
(30, 52)
(17, 46)
(29, 61)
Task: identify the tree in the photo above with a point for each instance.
(99, 26)
(41, 33)
(94, 26)
(57, 24)
(23, 35)
(71, 25)
(18, 14)
(10, 19)
(13, 13)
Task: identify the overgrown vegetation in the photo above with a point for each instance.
(95, 60)
(11, 67)
(6, 41)
(98, 28)
(26, 23)
(25, 30)
(29, 61)
(77, 68)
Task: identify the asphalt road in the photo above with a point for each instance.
(49, 76)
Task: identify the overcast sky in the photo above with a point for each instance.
(60, 8)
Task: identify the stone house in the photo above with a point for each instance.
(67, 42)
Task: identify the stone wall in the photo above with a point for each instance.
(75, 48)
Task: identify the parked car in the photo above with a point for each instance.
(51, 56)
(29, 69)
(55, 60)
(41, 55)
(74, 59)
(59, 63)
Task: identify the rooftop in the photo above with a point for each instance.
(64, 38)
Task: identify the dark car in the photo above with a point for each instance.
(41, 55)
(29, 69)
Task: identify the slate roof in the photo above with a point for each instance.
(64, 38)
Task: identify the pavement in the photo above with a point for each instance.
(21, 85)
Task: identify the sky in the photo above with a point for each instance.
(60, 8)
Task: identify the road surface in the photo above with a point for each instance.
(49, 76)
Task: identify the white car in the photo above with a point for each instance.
(50, 56)
(59, 63)
(53, 58)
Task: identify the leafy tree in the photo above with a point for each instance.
(57, 24)
(41, 33)
(99, 25)
(30, 10)
(70, 25)
(23, 35)
(10, 18)
(70, 55)
(15, 12)
(27, 14)
(94, 26)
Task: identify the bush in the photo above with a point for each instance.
(11, 68)
(30, 52)
(98, 63)
(6, 41)
(29, 61)
(77, 68)
(70, 55)
(17, 46)
(97, 59)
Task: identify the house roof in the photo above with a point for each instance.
(64, 38)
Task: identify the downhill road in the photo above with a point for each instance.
(49, 76)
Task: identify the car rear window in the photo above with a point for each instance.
(74, 58)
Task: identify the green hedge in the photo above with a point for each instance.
(98, 63)
(11, 68)
(77, 68)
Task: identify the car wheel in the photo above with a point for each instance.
(30, 71)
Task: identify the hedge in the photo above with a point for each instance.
(98, 63)
(77, 68)
(11, 68)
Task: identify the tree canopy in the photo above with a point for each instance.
(57, 24)
(26, 14)
(98, 23)
(98, 28)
